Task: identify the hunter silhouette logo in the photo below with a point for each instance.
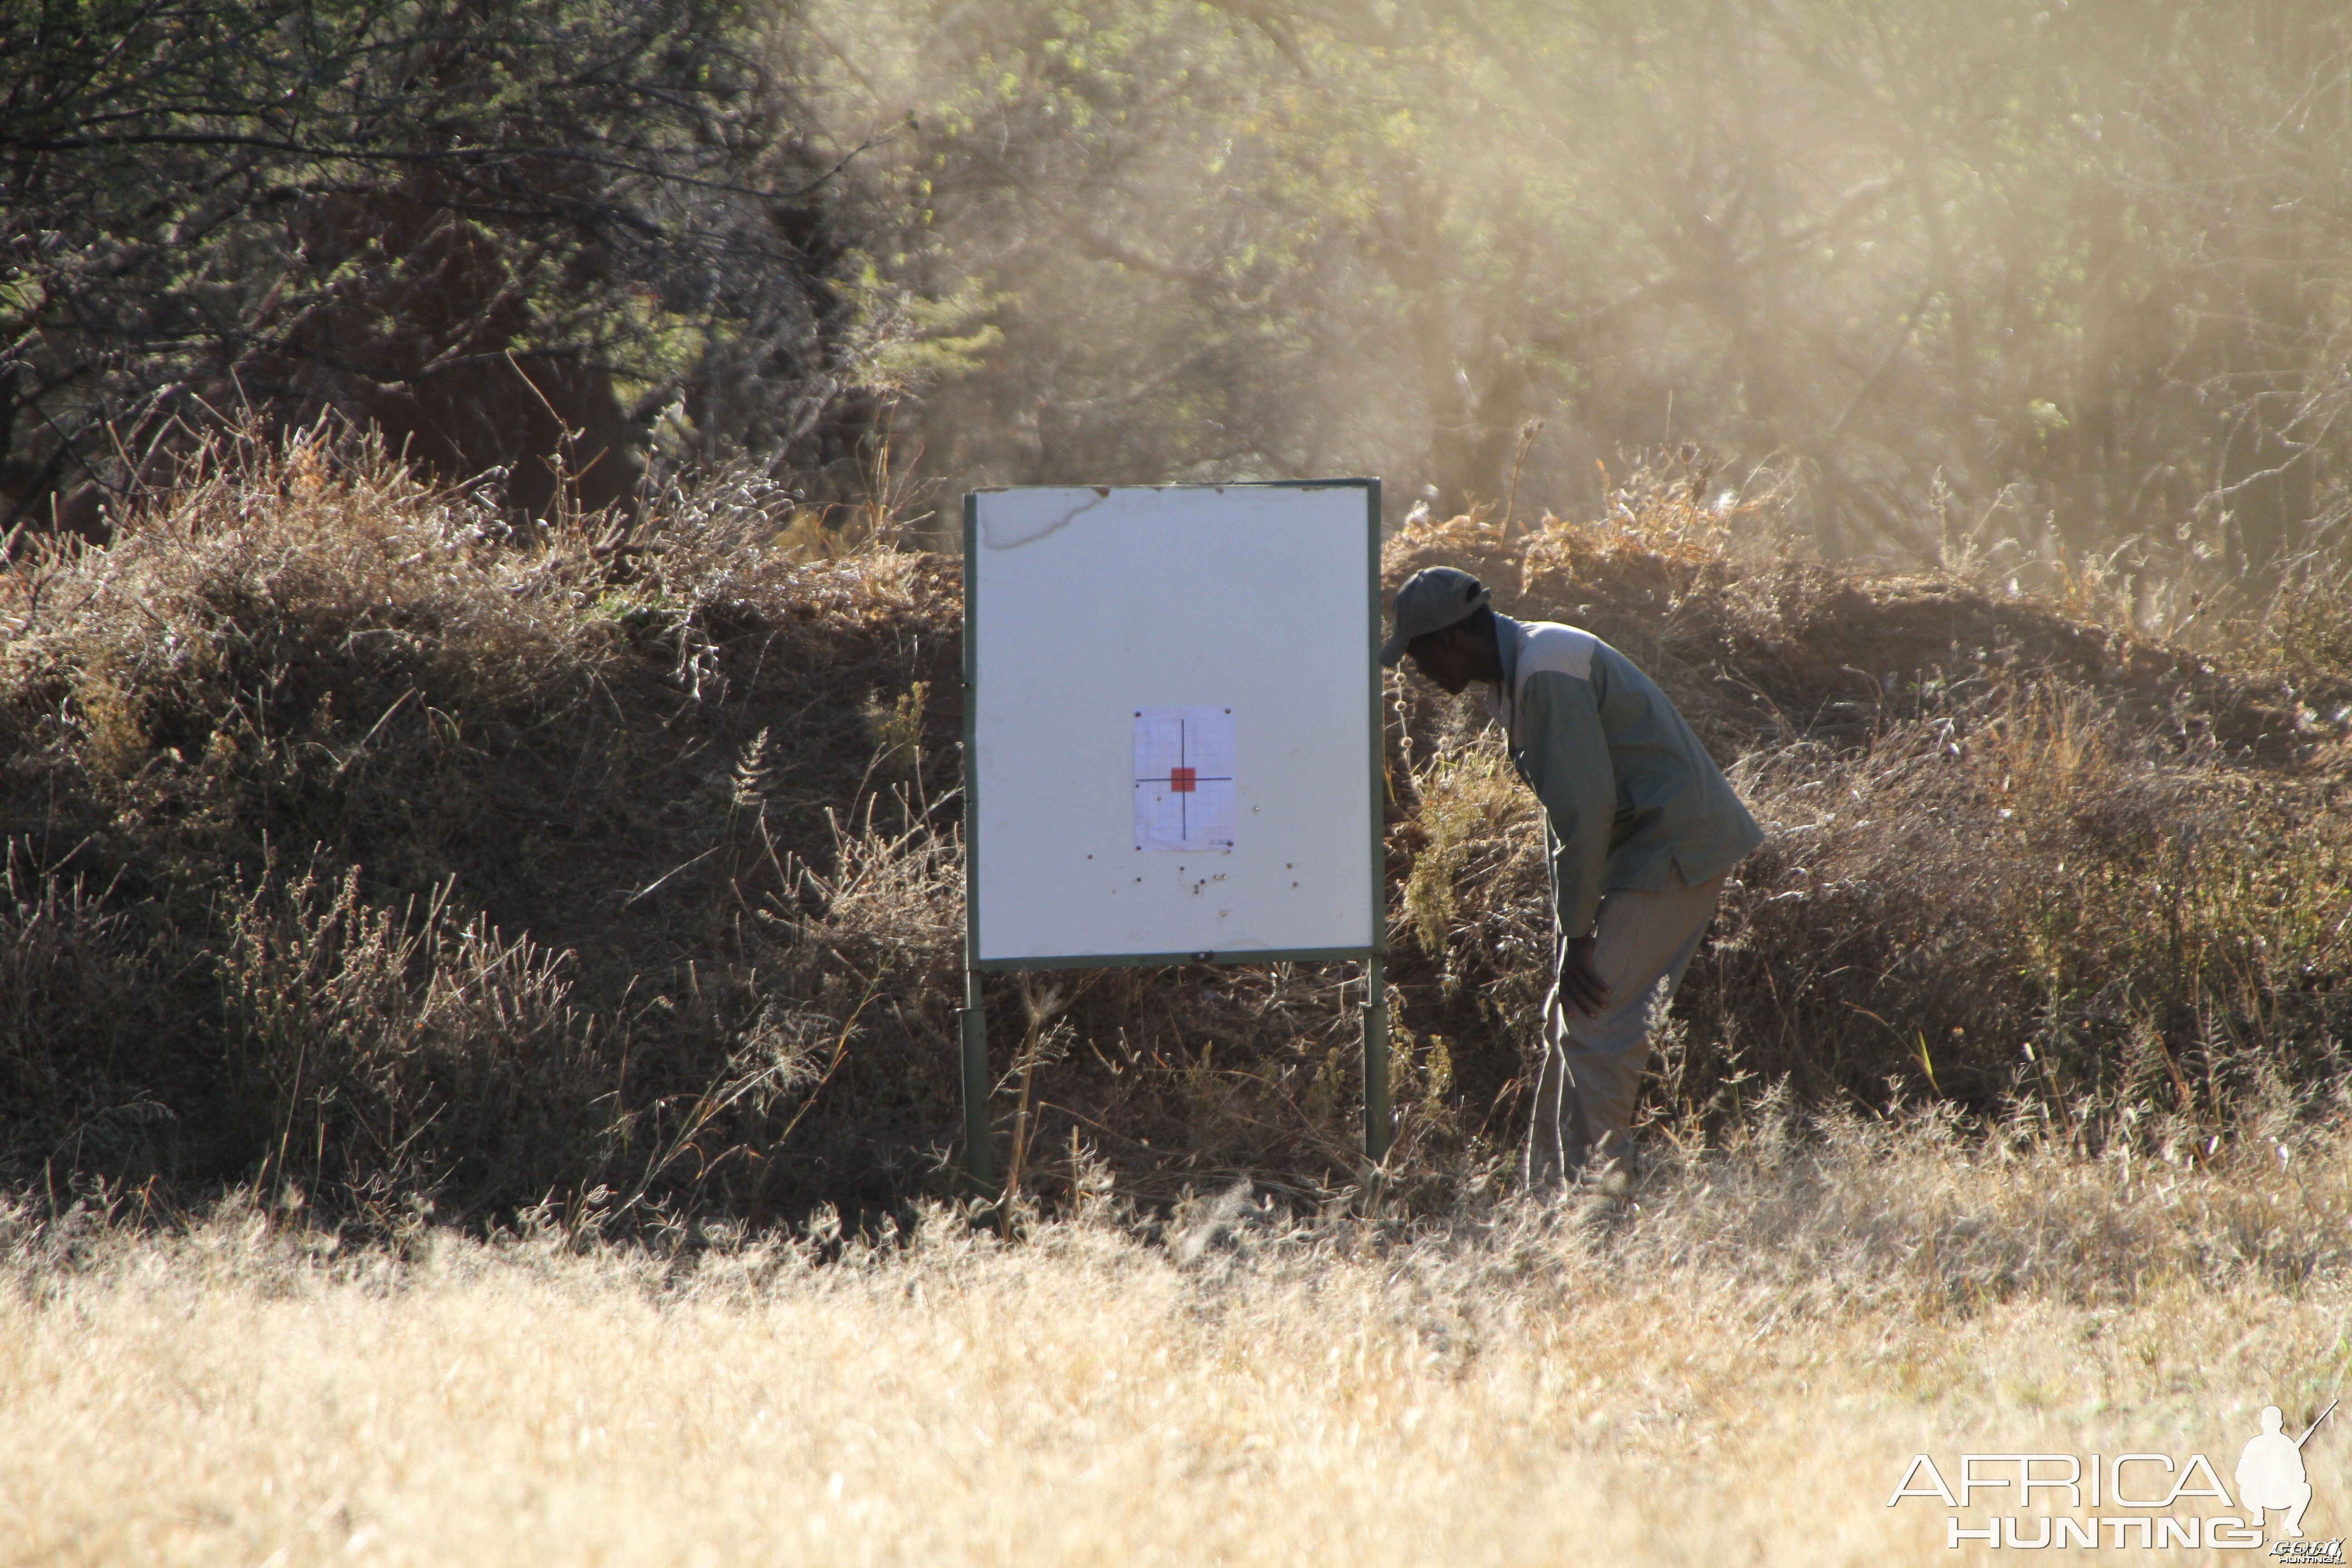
(2153, 1502)
(2270, 1473)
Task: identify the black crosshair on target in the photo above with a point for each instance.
(1183, 779)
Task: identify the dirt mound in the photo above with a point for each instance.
(1989, 821)
(357, 841)
(363, 849)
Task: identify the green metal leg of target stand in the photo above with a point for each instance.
(1380, 1125)
(979, 1154)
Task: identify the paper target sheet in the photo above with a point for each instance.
(1185, 790)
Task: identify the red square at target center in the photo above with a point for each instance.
(1180, 781)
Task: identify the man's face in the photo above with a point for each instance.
(1444, 658)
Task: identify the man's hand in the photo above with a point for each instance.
(1580, 986)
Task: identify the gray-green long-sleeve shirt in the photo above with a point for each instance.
(1629, 794)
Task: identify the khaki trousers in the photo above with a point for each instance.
(1592, 1067)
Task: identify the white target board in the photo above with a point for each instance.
(1172, 724)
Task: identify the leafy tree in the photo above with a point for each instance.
(2045, 280)
(509, 232)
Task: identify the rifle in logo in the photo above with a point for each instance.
(2324, 1415)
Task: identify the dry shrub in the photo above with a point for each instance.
(379, 1053)
(2307, 625)
(1756, 647)
(1992, 871)
(363, 844)
(2028, 902)
(77, 1007)
(405, 852)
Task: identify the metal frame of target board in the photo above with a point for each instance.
(978, 1135)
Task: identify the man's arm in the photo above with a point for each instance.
(1566, 754)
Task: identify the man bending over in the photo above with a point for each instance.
(1641, 830)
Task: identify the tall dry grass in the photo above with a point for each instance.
(365, 845)
(1738, 1370)
(366, 848)
(2017, 854)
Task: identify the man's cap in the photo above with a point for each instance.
(1431, 600)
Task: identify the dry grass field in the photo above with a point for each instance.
(1738, 1372)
